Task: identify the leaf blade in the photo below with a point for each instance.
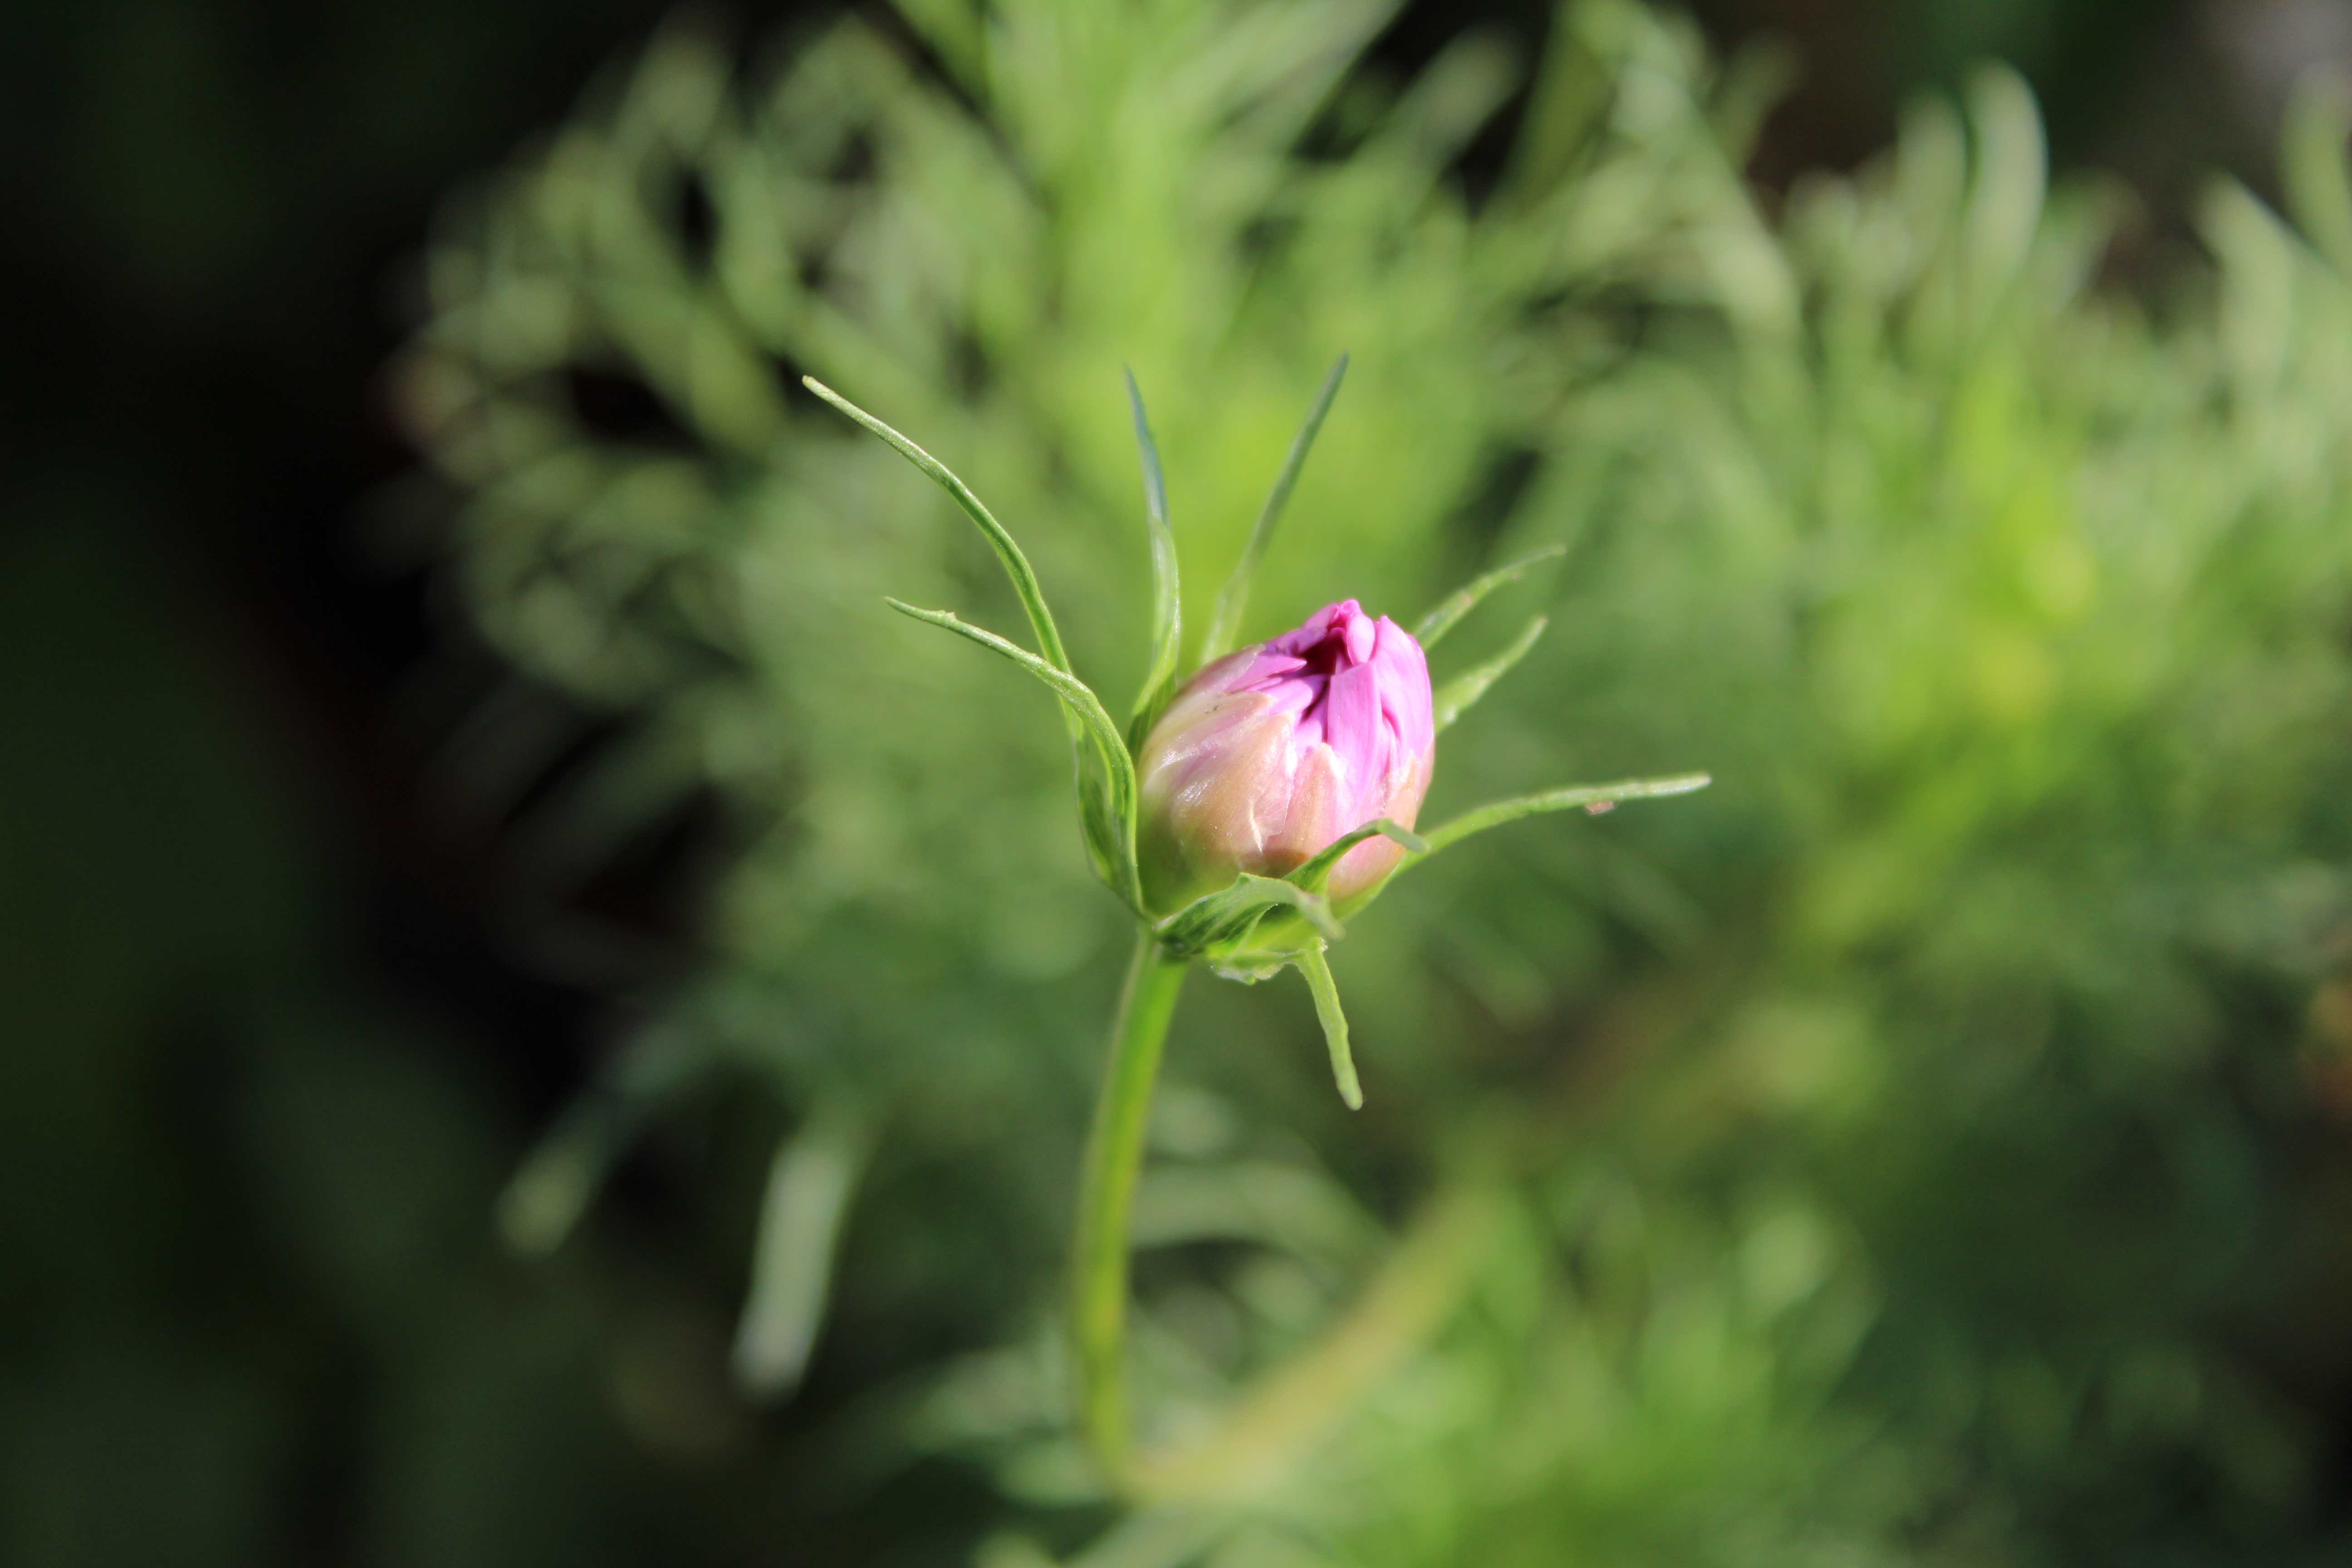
(1326, 992)
(1008, 554)
(1495, 814)
(1225, 618)
(1443, 615)
(1094, 724)
(1458, 695)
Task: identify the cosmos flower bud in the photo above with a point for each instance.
(1272, 753)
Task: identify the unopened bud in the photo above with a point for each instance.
(1272, 753)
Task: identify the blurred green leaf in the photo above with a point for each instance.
(810, 1186)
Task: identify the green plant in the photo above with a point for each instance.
(1904, 1154)
(1252, 928)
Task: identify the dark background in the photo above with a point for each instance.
(237, 884)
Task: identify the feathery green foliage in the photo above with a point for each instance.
(1888, 1158)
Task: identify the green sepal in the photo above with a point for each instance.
(1167, 592)
(1107, 799)
(1222, 925)
(1449, 610)
(1459, 694)
(1225, 617)
(1250, 930)
(1312, 964)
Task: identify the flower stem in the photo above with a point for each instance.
(1114, 1160)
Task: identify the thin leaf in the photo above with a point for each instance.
(1463, 600)
(1105, 806)
(1016, 565)
(1167, 596)
(1458, 694)
(1318, 871)
(810, 1185)
(1326, 992)
(1230, 913)
(1225, 619)
(1086, 712)
(1586, 795)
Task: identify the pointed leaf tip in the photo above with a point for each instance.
(1450, 610)
(1225, 616)
(1585, 796)
(1457, 696)
(1008, 554)
(1326, 991)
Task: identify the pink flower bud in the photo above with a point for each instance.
(1272, 753)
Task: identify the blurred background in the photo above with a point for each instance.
(541, 1026)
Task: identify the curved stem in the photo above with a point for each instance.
(1106, 1192)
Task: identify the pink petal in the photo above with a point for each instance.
(1351, 728)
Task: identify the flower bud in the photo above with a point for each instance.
(1270, 753)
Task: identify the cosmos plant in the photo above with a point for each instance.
(1239, 816)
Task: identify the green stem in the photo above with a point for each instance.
(1106, 1194)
